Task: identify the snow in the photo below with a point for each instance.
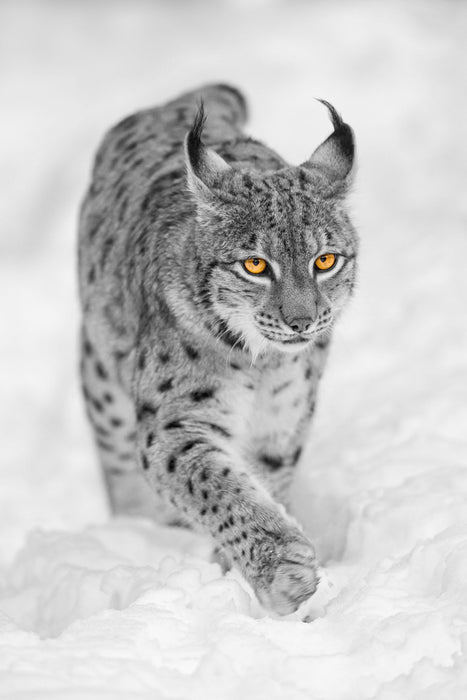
(92, 607)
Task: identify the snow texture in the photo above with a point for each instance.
(92, 607)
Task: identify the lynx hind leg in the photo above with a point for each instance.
(220, 556)
(112, 418)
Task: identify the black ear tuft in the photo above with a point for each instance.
(205, 167)
(342, 131)
(194, 142)
(335, 116)
(335, 156)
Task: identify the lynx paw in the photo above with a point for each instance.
(293, 580)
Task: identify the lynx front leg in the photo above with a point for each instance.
(187, 460)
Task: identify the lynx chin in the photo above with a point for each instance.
(211, 275)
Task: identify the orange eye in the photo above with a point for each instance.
(325, 262)
(255, 265)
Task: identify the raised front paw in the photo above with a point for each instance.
(287, 574)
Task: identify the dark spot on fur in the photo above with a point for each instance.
(166, 385)
(219, 430)
(231, 520)
(296, 455)
(281, 387)
(101, 371)
(101, 431)
(189, 484)
(97, 405)
(226, 471)
(94, 223)
(88, 349)
(116, 422)
(214, 509)
(145, 462)
(204, 476)
(191, 352)
(104, 445)
(92, 275)
(202, 394)
(164, 357)
(203, 511)
(322, 343)
(308, 372)
(220, 528)
(149, 439)
(173, 424)
(108, 398)
(121, 354)
(146, 409)
(205, 494)
(244, 535)
(189, 445)
(234, 365)
(106, 248)
(272, 463)
(142, 359)
(125, 455)
(171, 464)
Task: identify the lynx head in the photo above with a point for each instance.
(276, 249)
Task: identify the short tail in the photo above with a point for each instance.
(233, 100)
(220, 101)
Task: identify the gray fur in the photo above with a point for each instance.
(200, 380)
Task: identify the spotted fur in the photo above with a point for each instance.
(199, 380)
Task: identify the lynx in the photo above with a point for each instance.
(211, 275)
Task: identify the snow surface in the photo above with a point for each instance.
(97, 608)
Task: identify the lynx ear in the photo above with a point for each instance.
(204, 166)
(335, 155)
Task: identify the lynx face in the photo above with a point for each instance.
(279, 250)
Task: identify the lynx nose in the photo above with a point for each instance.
(300, 325)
